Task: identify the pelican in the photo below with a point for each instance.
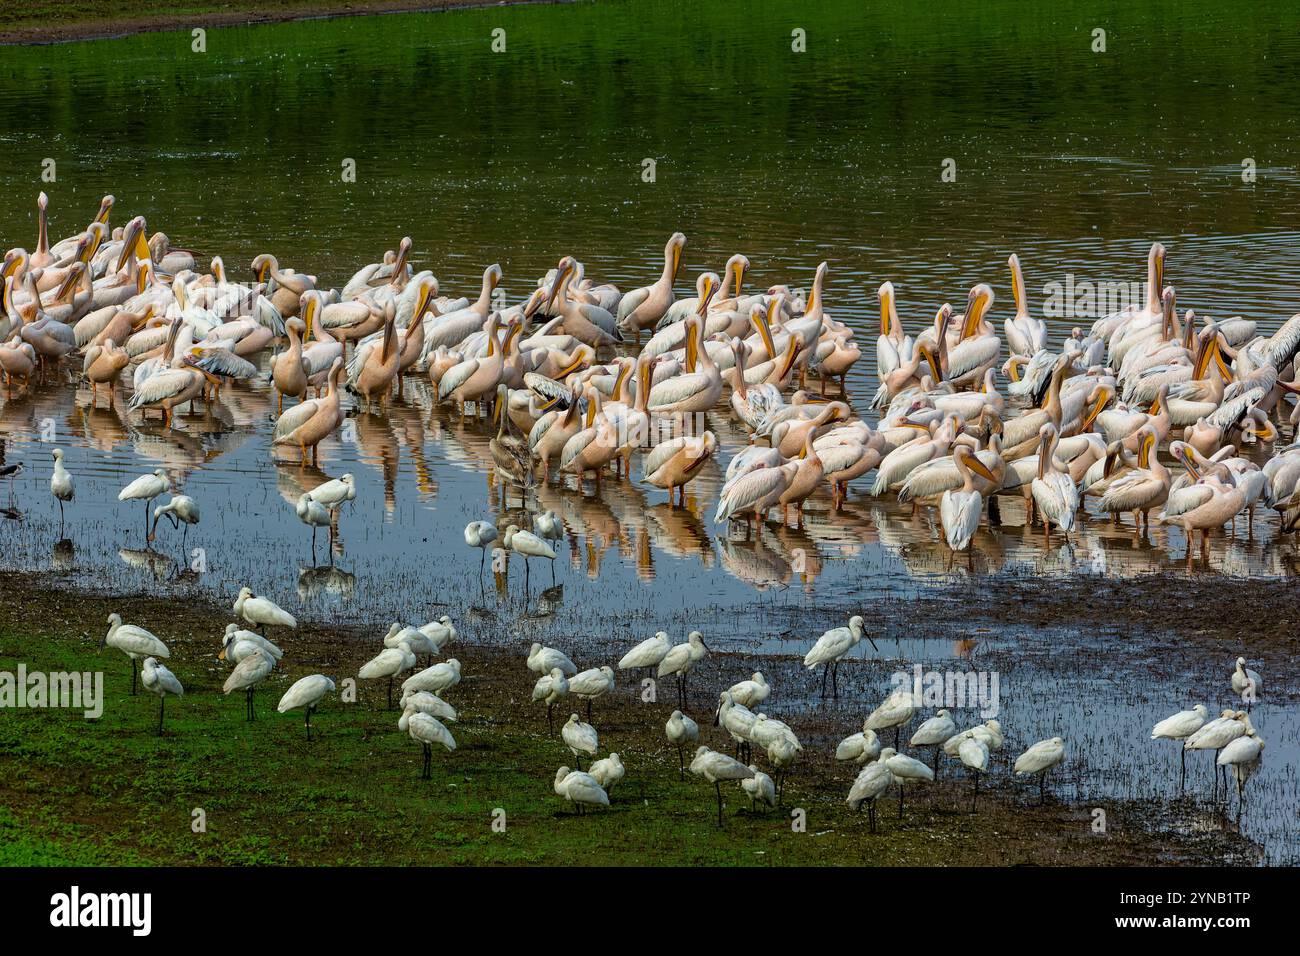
(61, 486)
(102, 365)
(157, 679)
(1053, 490)
(551, 688)
(1025, 334)
(894, 348)
(580, 789)
(1142, 489)
(528, 545)
(1039, 759)
(182, 509)
(248, 673)
(959, 509)
(426, 730)
(580, 738)
(834, 645)
(262, 612)
(309, 423)
(307, 693)
(135, 642)
(754, 492)
(698, 388)
(681, 659)
(146, 488)
(715, 768)
(681, 730)
(643, 308)
(673, 463)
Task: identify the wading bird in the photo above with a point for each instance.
(135, 642)
(248, 673)
(307, 693)
(181, 510)
(580, 789)
(1039, 759)
(426, 730)
(1179, 727)
(715, 768)
(262, 612)
(146, 488)
(61, 486)
(832, 646)
(157, 679)
(681, 730)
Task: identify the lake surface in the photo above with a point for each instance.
(1075, 160)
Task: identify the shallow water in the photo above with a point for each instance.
(1074, 160)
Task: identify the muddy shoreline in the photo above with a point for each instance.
(253, 15)
(1011, 829)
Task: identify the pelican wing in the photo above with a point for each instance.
(227, 363)
(746, 490)
(455, 377)
(161, 386)
(295, 417)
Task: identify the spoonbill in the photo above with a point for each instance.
(759, 787)
(649, 653)
(542, 660)
(528, 545)
(1179, 727)
(315, 515)
(681, 730)
(237, 644)
(182, 509)
(549, 526)
(427, 703)
(782, 752)
(1039, 759)
(871, 783)
(592, 683)
(974, 753)
(905, 768)
(389, 662)
(738, 721)
(307, 693)
(261, 611)
(551, 688)
(607, 772)
(61, 486)
(157, 679)
(861, 748)
(895, 712)
(146, 488)
(750, 693)
(435, 679)
(715, 768)
(135, 642)
(933, 733)
(426, 730)
(1243, 756)
(334, 494)
(580, 738)
(580, 789)
(1217, 734)
(1246, 683)
(681, 658)
(481, 535)
(832, 646)
(248, 673)
(439, 633)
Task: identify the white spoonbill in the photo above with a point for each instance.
(307, 693)
(715, 768)
(439, 633)
(236, 644)
(389, 662)
(1217, 734)
(435, 679)
(1180, 726)
(61, 486)
(871, 783)
(905, 769)
(933, 733)
(580, 738)
(315, 515)
(426, 730)
(607, 772)
(895, 712)
(1246, 683)
(974, 753)
(649, 653)
(248, 673)
(427, 703)
(157, 679)
(181, 510)
(335, 493)
(530, 546)
(135, 642)
(481, 535)
(681, 730)
(1243, 756)
(1039, 759)
(760, 788)
(750, 693)
(833, 645)
(146, 488)
(542, 659)
(681, 659)
(551, 688)
(261, 611)
(580, 789)
(862, 747)
(592, 683)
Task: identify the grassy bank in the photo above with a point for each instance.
(110, 791)
(56, 21)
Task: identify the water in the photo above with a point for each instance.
(1073, 159)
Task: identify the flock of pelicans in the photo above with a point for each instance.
(1086, 420)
